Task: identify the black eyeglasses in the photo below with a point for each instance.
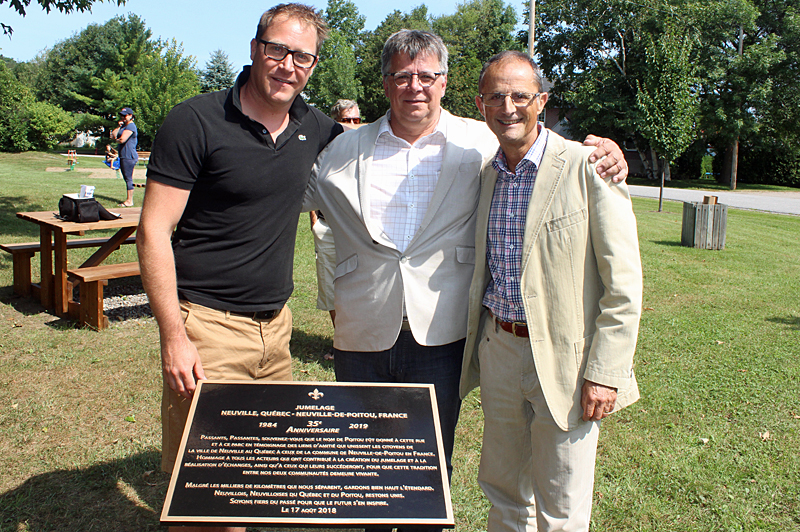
(350, 120)
(278, 52)
(519, 99)
(403, 79)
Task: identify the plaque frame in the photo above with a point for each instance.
(209, 394)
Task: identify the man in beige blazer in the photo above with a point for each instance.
(400, 195)
(554, 309)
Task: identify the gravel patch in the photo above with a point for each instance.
(125, 300)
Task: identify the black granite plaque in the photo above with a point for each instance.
(310, 454)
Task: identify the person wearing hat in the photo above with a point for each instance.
(127, 136)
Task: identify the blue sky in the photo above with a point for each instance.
(202, 26)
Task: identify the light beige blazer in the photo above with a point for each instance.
(374, 281)
(581, 281)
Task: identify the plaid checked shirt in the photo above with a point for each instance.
(507, 215)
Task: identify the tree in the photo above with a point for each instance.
(71, 70)
(477, 30)
(64, 6)
(335, 74)
(666, 99)
(374, 103)
(218, 73)
(166, 79)
(595, 50)
(25, 123)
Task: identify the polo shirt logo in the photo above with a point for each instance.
(301, 137)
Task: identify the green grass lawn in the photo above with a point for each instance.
(713, 445)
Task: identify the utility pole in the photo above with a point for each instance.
(532, 29)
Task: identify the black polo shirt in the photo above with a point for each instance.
(234, 244)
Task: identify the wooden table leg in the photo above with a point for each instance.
(46, 255)
(62, 289)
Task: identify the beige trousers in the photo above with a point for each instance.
(231, 348)
(537, 476)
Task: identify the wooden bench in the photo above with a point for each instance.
(144, 157)
(22, 253)
(92, 281)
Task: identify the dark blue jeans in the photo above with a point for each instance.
(409, 362)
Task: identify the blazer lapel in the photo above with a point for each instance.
(547, 180)
(451, 160)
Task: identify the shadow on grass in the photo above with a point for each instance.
(16, 227)
(793, 322)
(120, 495)
(310, 347)
(670, 243)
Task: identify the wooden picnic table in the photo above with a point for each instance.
(55, 290)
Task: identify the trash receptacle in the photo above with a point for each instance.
(704, 224)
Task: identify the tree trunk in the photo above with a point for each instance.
(664, 177)
(734, 163)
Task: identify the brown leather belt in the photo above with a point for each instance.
(517, 328)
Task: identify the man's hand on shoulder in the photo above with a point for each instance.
(597, 400)
(612, 161)
(181, 366)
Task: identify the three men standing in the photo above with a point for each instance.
(554, 309)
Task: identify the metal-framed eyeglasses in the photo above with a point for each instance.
(403, 79)
(278, 52)
(519, 99)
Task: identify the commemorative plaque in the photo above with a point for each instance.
(310, 454)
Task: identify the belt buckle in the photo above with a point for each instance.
(514, 325)
(265, 315)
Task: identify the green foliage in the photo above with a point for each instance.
(477, 30)
(599, 52)
(335, 75)
(769, 160)
(106, 67)
(374, 103)
(48, 125)
(665, 96)
(26, 124)
(64, 6)
(76, 71)
(218, 73)
(166, 79)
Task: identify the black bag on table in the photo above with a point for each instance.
(82, 210)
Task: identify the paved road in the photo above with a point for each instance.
(777, 202)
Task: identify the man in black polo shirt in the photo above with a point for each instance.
(227, 174)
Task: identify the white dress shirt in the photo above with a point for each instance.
(402, 180)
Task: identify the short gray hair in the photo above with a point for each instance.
(510, 55)
(340, 106)
(413, 43)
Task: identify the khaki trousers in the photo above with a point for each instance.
(537, 476)
(231, 348)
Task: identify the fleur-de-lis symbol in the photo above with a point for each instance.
(316, 395)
